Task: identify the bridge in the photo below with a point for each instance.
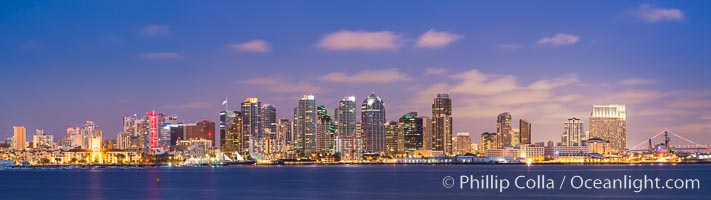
(690, 147)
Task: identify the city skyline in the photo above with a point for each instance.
(547, 73)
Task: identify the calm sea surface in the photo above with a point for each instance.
(339, 182)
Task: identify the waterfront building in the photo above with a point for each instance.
(234, 141)
(525, 131)
(442, 124)
(325, 131)
(19, 140)
(488, 141)
(91, 133)
(345, 116)
(504, 131)
(462, 144)
(598, 145)
(165, 121)
(553, 152)
(394, 140)
(609, 122)
(285, 134)
(373, 124)
(41, 140)
(427, 137)
(73, 137)
(269, 121)
(412, 128)
(226, 119)
(573, 134)
(252, 118)
(305, 125)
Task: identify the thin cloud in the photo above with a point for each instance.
(436, 39)
(435, 71)
(360, 41)
(638, 81)
(255, 46)
(367, 76)
(160, 55)
(560, 39)
(155, 30)
(192, 105)
(651, 13)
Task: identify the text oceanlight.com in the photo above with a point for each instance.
(541, 182)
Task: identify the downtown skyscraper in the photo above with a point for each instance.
(442, 124)
(305, 125)
(232, 132)
(252, 119)
(373, 124)
(20, 137)
(504, 131)
(573, 133)
(525, 128)
(609, 122)
(345, 117)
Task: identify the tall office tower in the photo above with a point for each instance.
(41, 140)
(325, 131)
(90, 132)
(488, 141)
(462, 144)
(373, 124)
(269, 120)
(442, 124)
(234, 134)
(152, 129)
(504, 131)
(20, 139)
(177, 132)
(394, 140)
(525, 128)
(285, 131)
(165, 121)
(253, 127)
(305, 125)
(516, 137)
(226, 119)
(609, 122)
(284, 135)
(345, 116)
(74, 137)
(137, 130)
(206, 129)
(573, 134)
(427, 137)
(413, 132)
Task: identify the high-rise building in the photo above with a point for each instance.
(345, 116)
(285, 134)
(525, 128)
(504, 131)
(41, 140)
(442, 124)
(165, 122)
(269, 120)
(487, 141)
(394, 140)
(573, 134)
(20, 138)
(253, 127)
(74, 137)
(226, 117)
(91, 133)
(412, 128)
(373, 124)
(325, 131)
(609, 122)
(427, 137)
(462, 144)
(305, 125)
(206, 129)
(234, 134)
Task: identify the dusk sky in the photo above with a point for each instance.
(65, 62)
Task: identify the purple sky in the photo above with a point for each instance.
(64, 63)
